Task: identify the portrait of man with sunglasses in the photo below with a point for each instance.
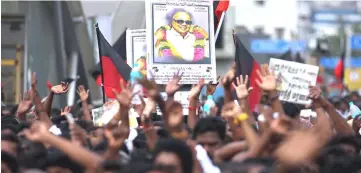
(181, 41)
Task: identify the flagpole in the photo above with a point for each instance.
(219, 25)
(100, 59)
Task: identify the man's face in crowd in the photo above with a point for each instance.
(57, 169)
(169, 161)
(9, 146)
(5, 168)
(210, 141)
(181, 22)
(96, 136)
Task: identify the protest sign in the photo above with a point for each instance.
(294, 79)
(180, 37)
(102, 115)
(179, 96)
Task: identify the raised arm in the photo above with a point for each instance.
(338, 122)
(39, 132)
(83, 94)
(55, 90)
(193, 103)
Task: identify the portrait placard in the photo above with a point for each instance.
(181, 38)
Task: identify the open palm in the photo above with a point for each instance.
(241, 88)
(25, 104)
(173, 85)
(268, 79)
(125, 96)
(196, 90)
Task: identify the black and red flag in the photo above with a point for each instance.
(219, 7)
(247, 65)
(112, 67)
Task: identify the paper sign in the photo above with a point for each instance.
(102, 115)
(180, 37)
(180, 96)
(294, 79)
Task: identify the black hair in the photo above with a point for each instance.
(57, 158)
(113, 166)
(352, 140)
(210, 124)
(177, 147)
(339, 162)
(241, 167)
(268, 162)
(10, 160)
(292, 110)
(12, 138)
(33, 155)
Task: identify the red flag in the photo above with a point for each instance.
(247, 65)
(340, 68)
(218, 8)
(114, 68)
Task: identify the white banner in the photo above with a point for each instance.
(181, 37)
(294, 79)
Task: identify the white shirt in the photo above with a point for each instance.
(184, 46)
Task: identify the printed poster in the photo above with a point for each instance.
(181, 37)
(294, 79)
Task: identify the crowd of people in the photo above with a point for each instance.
(231, 139)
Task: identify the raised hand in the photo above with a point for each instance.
(83, 94)
(116, 135)
(37, 132)
(34, 81)
(315, 96)
(174, 112)
(281, 125)
(151, 86)
(230, 110)
(125, 96)
(268, 79)
(60, 89)
(25, 103)
(78, 134)
(65, 111)
(196, 90)
(230, 75)
(211, 88)
(173, 85)
(241, 87)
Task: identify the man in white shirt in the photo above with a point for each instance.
(181, 41)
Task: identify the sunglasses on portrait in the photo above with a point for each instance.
(188, 22)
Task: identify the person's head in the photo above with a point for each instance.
(354, 96)
(9, 163)
(10, 143)
(173, 154)
(210, 132)
(57, 162)
(182, 21)
(291, 110)
(349, 143)
(96, 136)
(336, 160)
